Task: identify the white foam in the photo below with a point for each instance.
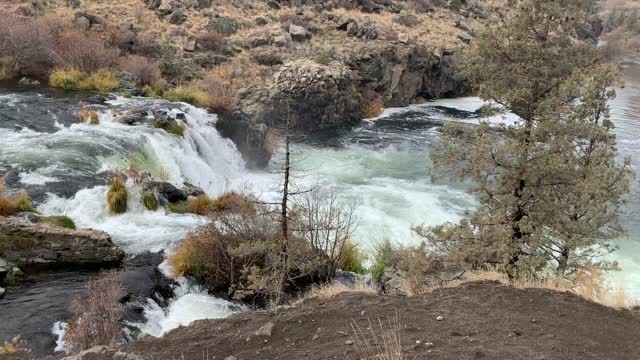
(59, 329)
(192, 303)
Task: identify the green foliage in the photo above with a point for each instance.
(178, 208)
(63, 221)
(352, 259)
(550, 188)
(149, 200)
(117, 196)
(381, 260)
(12, 279)
(170, 126)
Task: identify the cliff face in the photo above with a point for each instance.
(319, 96)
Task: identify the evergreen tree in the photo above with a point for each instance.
(549, 186)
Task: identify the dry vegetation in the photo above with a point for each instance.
(13, 205)
(95, 317)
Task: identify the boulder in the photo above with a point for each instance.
(46, 245)
(394, 282)
(167, 192)
(177, 17)
(282, 40)
(86, 21)
(403, 38)
(298, 33)
(2, 291)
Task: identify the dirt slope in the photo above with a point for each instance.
(480, 321)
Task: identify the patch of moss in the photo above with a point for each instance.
(149, 200)
(172, 127)
(63, 221)
(12, 279)
(178, 208)
(117, 196)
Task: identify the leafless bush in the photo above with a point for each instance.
(380, 340)
(95, 317)
(143, 70)
(211, 41)
(74, 49)
(147, 45)
(28, 42)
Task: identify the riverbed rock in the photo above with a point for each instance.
(2, 292)
(45, 245)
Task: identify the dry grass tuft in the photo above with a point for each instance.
(143, 70)
(590, 284)
(88, 116)
(373, 108)
(328, 291)
(13, 205)
(95, 318)
(201, 205)
(379, 341)
(117, 196)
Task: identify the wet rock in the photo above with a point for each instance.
(24, 81)
(46, 245)
(168, 192)
(2, 292)
(134, 117)
(29, 216)
(192, 190)
(143, 280)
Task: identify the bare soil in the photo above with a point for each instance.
(482, 320)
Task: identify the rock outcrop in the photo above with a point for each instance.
(46, 245)
(318, 96)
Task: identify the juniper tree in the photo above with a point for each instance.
(549, 186)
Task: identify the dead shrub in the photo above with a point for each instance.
(147, 45)
(95, 317)
(211, 41)
(88, 54)
(12, 205)
(379, 340)
(143, 70)
(406, 19)
(373, 108)
(221, 85)
(241, 250)
(28, 42)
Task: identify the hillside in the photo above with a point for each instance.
(481, 320)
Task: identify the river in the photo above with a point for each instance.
(382, 163)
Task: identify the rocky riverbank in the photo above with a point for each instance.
(473, 321)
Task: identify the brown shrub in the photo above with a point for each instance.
(373, 108)
(143, 70)
(12, 205)
(85, 53)
(147, 45)
(211, 41)
(221, 85)
(267, 58)
(95, 317)
(28, 42)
